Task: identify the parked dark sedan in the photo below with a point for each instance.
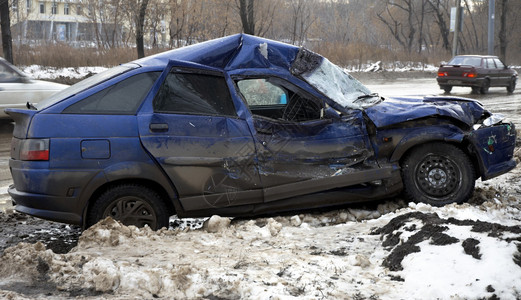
(478, 72)
(241, 126)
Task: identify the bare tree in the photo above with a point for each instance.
(301, 20)
(5, 24)
(503, 41)
(475, 35)
(439, 7)
(140, 23)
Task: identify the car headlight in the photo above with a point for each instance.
(490, 121)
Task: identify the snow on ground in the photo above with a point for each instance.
(398, 251)
(396, 66)
(49, 73)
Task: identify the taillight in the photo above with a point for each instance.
(442, 74)
(470, 75)
(34, 149)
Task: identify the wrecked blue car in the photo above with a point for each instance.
(242, 126)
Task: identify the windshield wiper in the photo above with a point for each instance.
(361, 97)
(29, 105)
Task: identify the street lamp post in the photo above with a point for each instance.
(456, 29)
(491, 19)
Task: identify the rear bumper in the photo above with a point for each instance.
(459, 81)
(57, 195)
(43, 206)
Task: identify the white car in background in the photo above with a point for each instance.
(16, 89)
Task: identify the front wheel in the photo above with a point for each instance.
(130, 204)
(437, 174)
(511, 86)
(486, 85)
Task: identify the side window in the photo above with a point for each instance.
(7, 74)
(490, 63)
(188, 93)
(261, 92)
(122, 98)
(277, 99)
(499, 64)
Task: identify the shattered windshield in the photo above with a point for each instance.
(332, 81)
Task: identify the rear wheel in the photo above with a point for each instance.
(130, 204)
(486, 85)
(447, 89)
(511, 86)
(437, 174)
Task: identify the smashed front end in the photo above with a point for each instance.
(489, 139)
(494, 142)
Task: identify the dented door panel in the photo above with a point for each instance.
(298, 152)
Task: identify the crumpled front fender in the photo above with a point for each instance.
(446, 133)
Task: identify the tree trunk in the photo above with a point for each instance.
(422, 18)
(503, 31)
(5, 24)
(247, 16)
(140, 23)
(442, 25)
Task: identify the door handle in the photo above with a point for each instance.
(158, 127)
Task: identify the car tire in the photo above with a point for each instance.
(437, 174)
(486, 85)
(131, 204)
(475, 90)
(511, 86)
(447, 89)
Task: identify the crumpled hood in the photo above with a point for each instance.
(401, 109)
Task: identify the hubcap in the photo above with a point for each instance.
(131, 210)
(438, 176)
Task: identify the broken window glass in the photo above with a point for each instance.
(187, 93)
(277, 99)
(261, 92)
(332, 81)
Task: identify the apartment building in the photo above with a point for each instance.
(42, 21)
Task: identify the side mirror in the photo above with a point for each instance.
(24, 79)
(330, 113)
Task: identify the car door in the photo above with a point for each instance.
(304, 146)
(504, 74)
(493, 72)
(192, 129)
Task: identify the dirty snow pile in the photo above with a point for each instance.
(414, 251)
(50, 73)
(395, 66)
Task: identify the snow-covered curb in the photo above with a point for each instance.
(307, 256)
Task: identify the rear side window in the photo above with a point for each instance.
(122, 98)
(188, 93)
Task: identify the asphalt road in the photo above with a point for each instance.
(497, 101)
